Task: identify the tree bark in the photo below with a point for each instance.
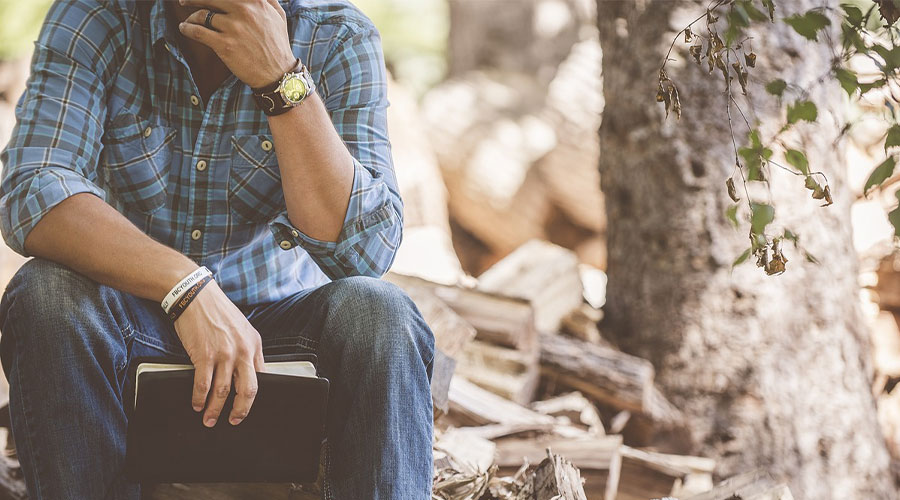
(770, 372)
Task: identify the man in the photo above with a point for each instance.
(158, 136)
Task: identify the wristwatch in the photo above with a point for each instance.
(289, 91)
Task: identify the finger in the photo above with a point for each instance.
(221, 386)
(277, 6)
(219, 5)
(202, 34)
(245, 385)
(202, 379)
(219, 22)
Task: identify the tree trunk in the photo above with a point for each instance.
(770, 372)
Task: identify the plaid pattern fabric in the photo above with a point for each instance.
(111, 109)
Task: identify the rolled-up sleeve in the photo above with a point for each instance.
(55, 145)
(354, 89)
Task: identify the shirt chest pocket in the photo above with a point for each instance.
(136, 158)
(254, 183)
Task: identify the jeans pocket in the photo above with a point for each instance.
(254, 185)
(295, 344)
(135, 161)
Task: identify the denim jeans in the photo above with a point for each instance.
(67, 342)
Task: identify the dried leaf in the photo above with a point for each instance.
(750, 60)
(828, 199)
(818, 193)
(710, 18)
(732, 191)
(688, 35)
(890, 11)
(770, 5)
(697, 51)
(675, 100)
(742, 75)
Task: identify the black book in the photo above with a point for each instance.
(279, 441)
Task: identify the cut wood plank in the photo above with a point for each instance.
(475, 454)
(499, 319)
(647, 474)
(581, 323)
(510, 373)
(612, 377)
(545, 274)
(588, 454)
(476, 406)
(575, 408)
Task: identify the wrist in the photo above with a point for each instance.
(273, 76)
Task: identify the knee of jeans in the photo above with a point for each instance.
(383, 321)
(48, 292)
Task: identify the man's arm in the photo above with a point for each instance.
(50, 208)
(343, 205)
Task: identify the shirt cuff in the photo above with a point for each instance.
(360, 233)
(23, 207)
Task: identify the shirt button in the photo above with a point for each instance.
(148, 131)
(201, 165)
(267, 145)
(196, 234)
(195, 100)
(286, 245)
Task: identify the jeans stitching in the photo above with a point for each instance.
(326, 481)
(299, 340)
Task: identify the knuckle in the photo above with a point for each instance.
(251, 391)
(223, 390)
(201, 386)
(240, 415)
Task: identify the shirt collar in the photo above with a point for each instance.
(159, 25)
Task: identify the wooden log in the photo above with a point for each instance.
(609, 376)
(756, 485)
(476, 406)
(545, 274)
(496, 318)
(510, 373)
(442, 373)
(588, 454)
(556, 478)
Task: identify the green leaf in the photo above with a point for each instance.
(880, 174)
(770, 6)
(741, 259)
(893, 137)
(877, 84)
(791, 236)
(797, 159)
(810, 257)
(802, 110)
(761, 215)
(848, 81)
(852, 38)
(776, 87)
(894, 218)
(808, 25)
(731, 213)
(852, 14)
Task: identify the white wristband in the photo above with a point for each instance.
(182, 286)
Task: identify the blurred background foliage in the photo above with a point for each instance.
(414, 38)
(414, 34)
(20, 22)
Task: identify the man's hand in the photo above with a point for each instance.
(222, 345)
(250, 37)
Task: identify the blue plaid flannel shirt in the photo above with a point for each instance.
(111, 109)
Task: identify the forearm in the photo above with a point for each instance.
(89, 236)
(316, 169)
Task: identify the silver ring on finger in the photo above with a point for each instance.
(208, 21)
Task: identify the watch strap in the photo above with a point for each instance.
(269, 97)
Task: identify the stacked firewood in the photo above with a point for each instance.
(528, 396)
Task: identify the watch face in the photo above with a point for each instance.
(294, 89)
